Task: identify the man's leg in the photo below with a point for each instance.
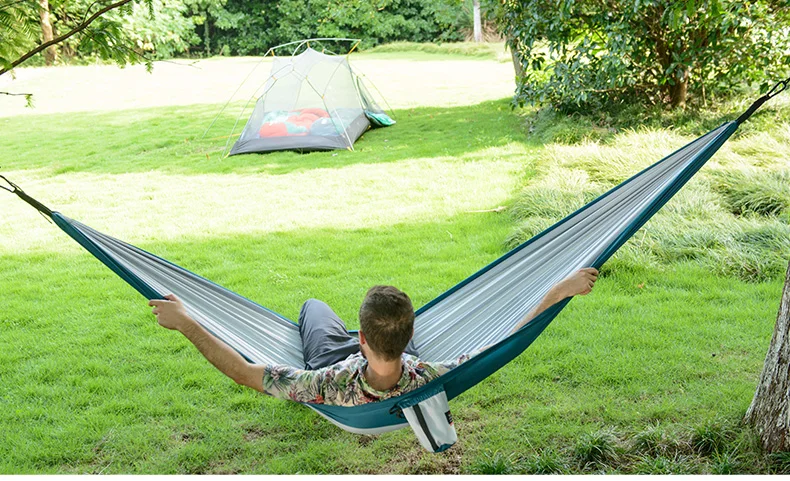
(325, 339)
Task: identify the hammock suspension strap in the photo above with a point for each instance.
(775, 90)
(15, 189)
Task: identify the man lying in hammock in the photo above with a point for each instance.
(340, 369)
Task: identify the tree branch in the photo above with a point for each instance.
(28, 97)
(88, 10)
(66, 35)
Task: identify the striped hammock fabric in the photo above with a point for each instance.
(479, 311)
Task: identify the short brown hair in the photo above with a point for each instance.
(387, 319)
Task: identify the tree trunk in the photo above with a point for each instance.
(679, 91)
(207, 37)
(50, 53)
(478, 28)
(770, 412)
(512, 45)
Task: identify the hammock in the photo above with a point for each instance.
(479, 311)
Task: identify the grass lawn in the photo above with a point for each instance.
(649, 374)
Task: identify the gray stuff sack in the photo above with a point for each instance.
(430, 419)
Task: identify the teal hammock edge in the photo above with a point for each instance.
(387, 413)
(702, 157)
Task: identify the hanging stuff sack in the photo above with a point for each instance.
(430, 419)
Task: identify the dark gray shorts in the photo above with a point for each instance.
(325, 339)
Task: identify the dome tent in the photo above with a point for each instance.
(311, 101)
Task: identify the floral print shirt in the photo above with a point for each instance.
(344, 383)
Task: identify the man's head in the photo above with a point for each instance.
(386, 320)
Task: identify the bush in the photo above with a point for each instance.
(582, 54)
(469, 49)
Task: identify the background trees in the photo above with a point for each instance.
(172, 28)
(575, 54)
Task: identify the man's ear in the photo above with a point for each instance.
(362, 339)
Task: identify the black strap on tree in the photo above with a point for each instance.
(775, 90)
(14, 189)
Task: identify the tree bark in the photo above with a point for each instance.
(51, 52)
(207, 36)
(512, 44)
(478, 24)
(770, 410)
(679, 91)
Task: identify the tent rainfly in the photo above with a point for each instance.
(311, 101)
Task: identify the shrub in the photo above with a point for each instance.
(582, 54)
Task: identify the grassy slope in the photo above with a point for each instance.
(90, 384)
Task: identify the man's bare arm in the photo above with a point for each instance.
(579, 283)
(171, 314)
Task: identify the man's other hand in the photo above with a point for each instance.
(170, 313)
(579, 283)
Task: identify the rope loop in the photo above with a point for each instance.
(780, 87)
(13, 187)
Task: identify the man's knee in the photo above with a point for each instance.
(314, 311)
(310, 306)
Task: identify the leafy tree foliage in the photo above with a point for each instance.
(213, 16)
(267, 23)
(141, 30)
(169, 32)
(583, 53)
(18, 30)
(86, 27)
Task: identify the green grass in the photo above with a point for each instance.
(169, 140)
(649, 374)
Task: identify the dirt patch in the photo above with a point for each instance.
(365, 440)
(419, 461)
(253, 433)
